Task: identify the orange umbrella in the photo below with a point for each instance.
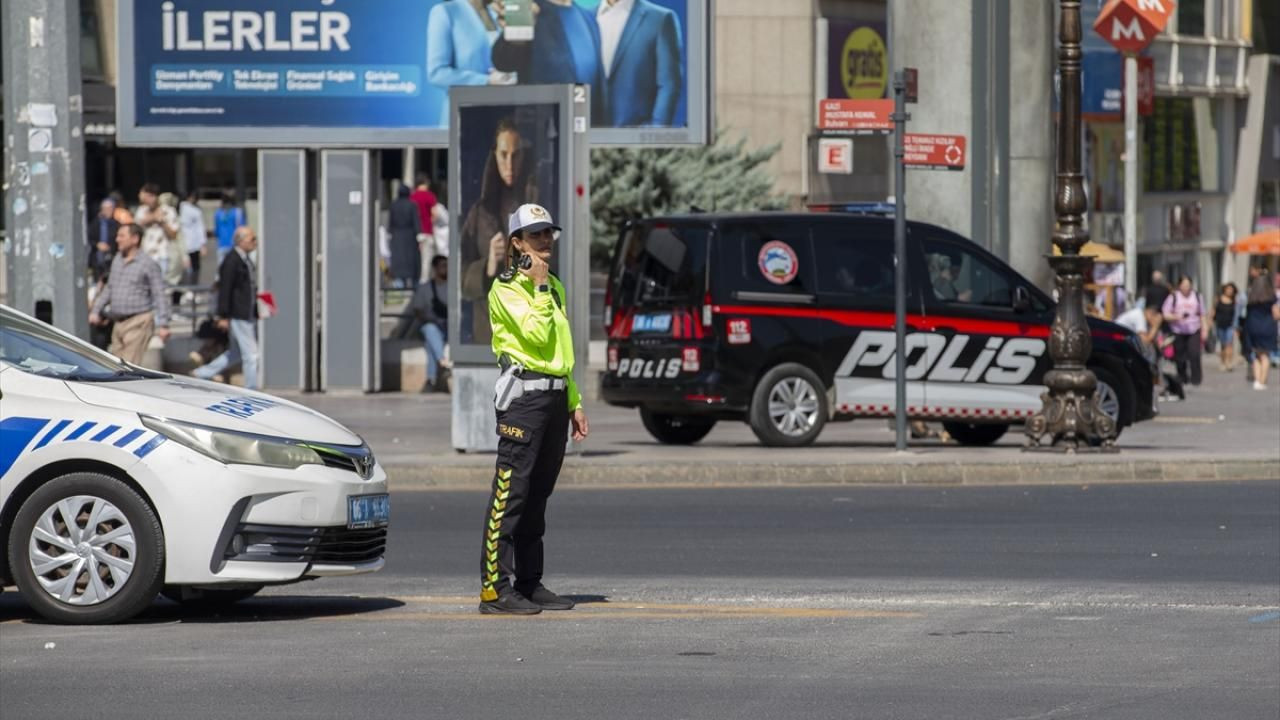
(1266, 242)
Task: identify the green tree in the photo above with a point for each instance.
(629, 183)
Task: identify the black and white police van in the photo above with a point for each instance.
(786, 321)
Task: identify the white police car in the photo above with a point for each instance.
(117, 483)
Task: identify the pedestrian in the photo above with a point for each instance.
(1185, 314)
(194, 234)
(226, 219)
(426, 201)
(133, 298)
(1147, 323)
(536, 401)
(122, 214)
(101, 238)
(1262, 314)
(176, 263)
(1226, 316)
(430, 308)
(237, 312)
(159, 225)
(406, 254)
(1157, 292)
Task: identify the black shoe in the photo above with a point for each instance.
(510, 604)
(548, 600)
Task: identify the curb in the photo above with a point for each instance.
(939, 473)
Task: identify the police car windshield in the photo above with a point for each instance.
(34, 347)
(661, 263)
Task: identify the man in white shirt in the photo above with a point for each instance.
(194, 233)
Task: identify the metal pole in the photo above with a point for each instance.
(900, 260)
(1131, 175)
(1070, 414)
(44, 162)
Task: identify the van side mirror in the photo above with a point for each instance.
(1021, 299)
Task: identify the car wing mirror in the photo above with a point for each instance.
(1021, 299)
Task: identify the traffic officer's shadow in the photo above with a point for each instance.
(262, 608)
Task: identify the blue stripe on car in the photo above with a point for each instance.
(150, 445)
(128, 438)
(49, 435)
(15, 433)
(84, 428)
(106, 432)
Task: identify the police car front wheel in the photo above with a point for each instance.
(87, 548)
(789, 406)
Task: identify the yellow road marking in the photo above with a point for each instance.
(1172, 420)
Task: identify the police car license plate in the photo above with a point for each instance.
(367, 511)
(660, 322)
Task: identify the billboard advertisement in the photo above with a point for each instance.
(363, 73)
(857, 60)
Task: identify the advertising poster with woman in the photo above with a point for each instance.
(509, 157)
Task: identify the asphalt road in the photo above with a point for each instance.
(1117, 601)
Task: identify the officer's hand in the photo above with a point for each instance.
(580, 427)
(538, 268)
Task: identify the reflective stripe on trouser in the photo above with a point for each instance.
(531, 440)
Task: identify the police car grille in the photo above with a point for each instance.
(326, 545)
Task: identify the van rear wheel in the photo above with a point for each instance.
(789, 407)
(676, 429)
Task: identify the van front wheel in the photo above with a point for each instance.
(675, 429)
(789, 407)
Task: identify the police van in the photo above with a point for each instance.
(119, 483)
(786, 321)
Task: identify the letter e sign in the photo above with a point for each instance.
(835, 156)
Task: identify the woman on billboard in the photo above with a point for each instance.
(506, 185)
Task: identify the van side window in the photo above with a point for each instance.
(958, 275)
(661, 263)
(855, 261)
(773, 259)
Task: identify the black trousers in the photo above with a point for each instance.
(1186, 354)
(532, 434)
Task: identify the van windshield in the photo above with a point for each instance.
(661, 264)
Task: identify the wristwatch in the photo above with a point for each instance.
(544, 288)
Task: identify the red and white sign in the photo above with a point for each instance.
(739, 331)
(1131, 25)
(835, 156)
(1146, 86)
(855, 115)
(945, 152)
(691, 360)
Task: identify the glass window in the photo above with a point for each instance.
(1171, 151)
(1190, 14)
(855, 261)
(32, 346)
(958, 275)
(90, 41)
(773, 258)
(662, 263)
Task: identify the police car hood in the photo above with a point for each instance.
(214, 405)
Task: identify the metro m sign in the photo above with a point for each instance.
(1131, 25)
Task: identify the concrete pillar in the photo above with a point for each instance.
(44, 162)
(1029, 186)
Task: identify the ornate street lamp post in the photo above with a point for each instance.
(1071, 415)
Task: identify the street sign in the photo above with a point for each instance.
(934, 152)
(912, 76)
(835, 156)
(855, 116)
(1131, 25)
(1146, 86)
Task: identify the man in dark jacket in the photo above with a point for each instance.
(100, 234)
(237, 311)
(406, 254)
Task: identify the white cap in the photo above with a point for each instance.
(530, 217)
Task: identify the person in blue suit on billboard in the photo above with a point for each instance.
(640, 59)
(565, 47)
(460, 36)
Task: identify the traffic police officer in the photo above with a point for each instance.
(536, 401)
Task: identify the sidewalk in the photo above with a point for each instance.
(1225, 430)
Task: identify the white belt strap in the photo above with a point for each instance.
(544, 384)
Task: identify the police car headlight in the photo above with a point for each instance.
(238, 448)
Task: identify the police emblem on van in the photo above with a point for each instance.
(778, 262)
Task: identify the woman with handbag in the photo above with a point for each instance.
(1184, 314)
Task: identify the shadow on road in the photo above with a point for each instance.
(271, 608)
